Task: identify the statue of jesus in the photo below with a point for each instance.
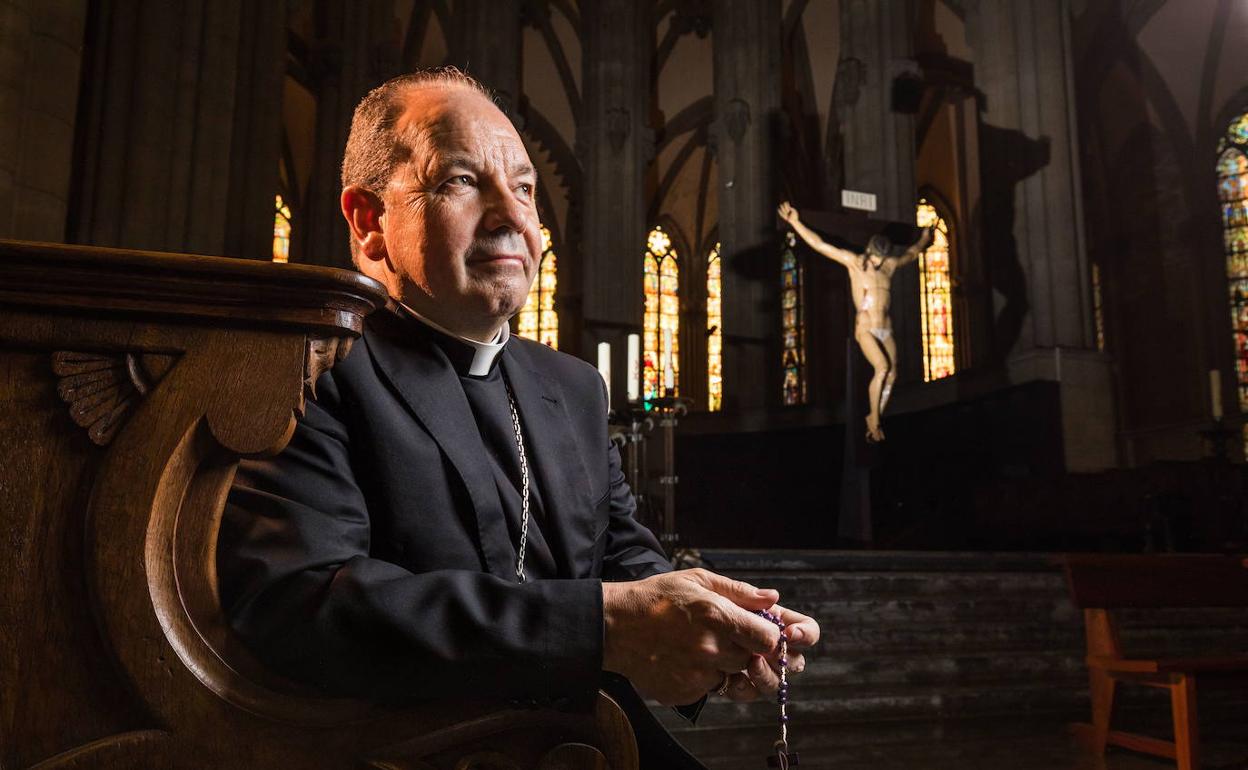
(870, 277)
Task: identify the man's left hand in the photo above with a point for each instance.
(762, 676)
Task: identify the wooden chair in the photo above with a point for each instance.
(1101, 584)
(130, 384)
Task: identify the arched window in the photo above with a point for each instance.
(661, 359)
(1233, 191)
(935, 296)
(793, 324)
(1098, 307)
(714, 332)
(281, 231)
(538, 320)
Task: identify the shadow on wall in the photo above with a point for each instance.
(1007, 157)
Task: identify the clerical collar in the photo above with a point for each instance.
(483, 353)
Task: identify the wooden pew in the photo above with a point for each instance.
(1101, 584)
(130, 385)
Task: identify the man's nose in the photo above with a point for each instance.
(504, 209)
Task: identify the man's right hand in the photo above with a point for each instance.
(677, 635)
(787, 213)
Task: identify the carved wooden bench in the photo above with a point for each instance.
(130, 384)
(1101, 584)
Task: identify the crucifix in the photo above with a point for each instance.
(870, 279)
(865, 247)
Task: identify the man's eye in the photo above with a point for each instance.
(527, 189)
(462, 180)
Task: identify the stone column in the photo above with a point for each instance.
(40, 55)
(877, 41)
(1023, 65)
(747, 106)
(485, 43)
(183, 102)
(257, 139)
(357, 49)
(615, 143)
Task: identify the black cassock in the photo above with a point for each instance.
(376, 555)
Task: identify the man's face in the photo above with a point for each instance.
(460, 220)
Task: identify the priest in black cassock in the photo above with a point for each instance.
(449, 518)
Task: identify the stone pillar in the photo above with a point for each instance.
(615, 143)
(877, 41)
(257, 140)
(183, 102)
(485, 43)
(747, 57)
(1023, 65)
(40, 55)
(356, 49)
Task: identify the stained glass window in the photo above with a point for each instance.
(1098, 307)
(1233, 192)
(714, 333)
(793, 324)
(281, 231)
(935, 296)
(538, 319)
(661, 339)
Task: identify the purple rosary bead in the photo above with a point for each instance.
(783, 758)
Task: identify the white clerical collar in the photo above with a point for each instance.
(483, 353)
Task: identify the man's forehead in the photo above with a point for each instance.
(456, 121)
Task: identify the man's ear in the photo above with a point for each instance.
(363, 209)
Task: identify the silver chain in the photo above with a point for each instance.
(524, 481)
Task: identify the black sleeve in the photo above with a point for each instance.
(300, 587)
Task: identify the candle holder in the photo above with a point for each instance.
(629, 428)
(669, 410)
(1219, 436)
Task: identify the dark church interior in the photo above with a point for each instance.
(1039, 561)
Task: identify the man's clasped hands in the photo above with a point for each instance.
(679, 635)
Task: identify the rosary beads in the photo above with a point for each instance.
(782, 759)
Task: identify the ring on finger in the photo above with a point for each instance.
(722, 689)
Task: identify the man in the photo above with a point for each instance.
(870, 280)
(450, 518)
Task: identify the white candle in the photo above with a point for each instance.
(634, 367)
(1215, 393)
(669, 377)
(604, 365)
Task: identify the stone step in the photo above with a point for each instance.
(887, 585)
(929, 669)
(962, 636)
(841, 613)
(820, 704)
(1058, 698)
(1032, 743)
(916, 645)
(889, 744)
(777, 562)
(993, 636)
